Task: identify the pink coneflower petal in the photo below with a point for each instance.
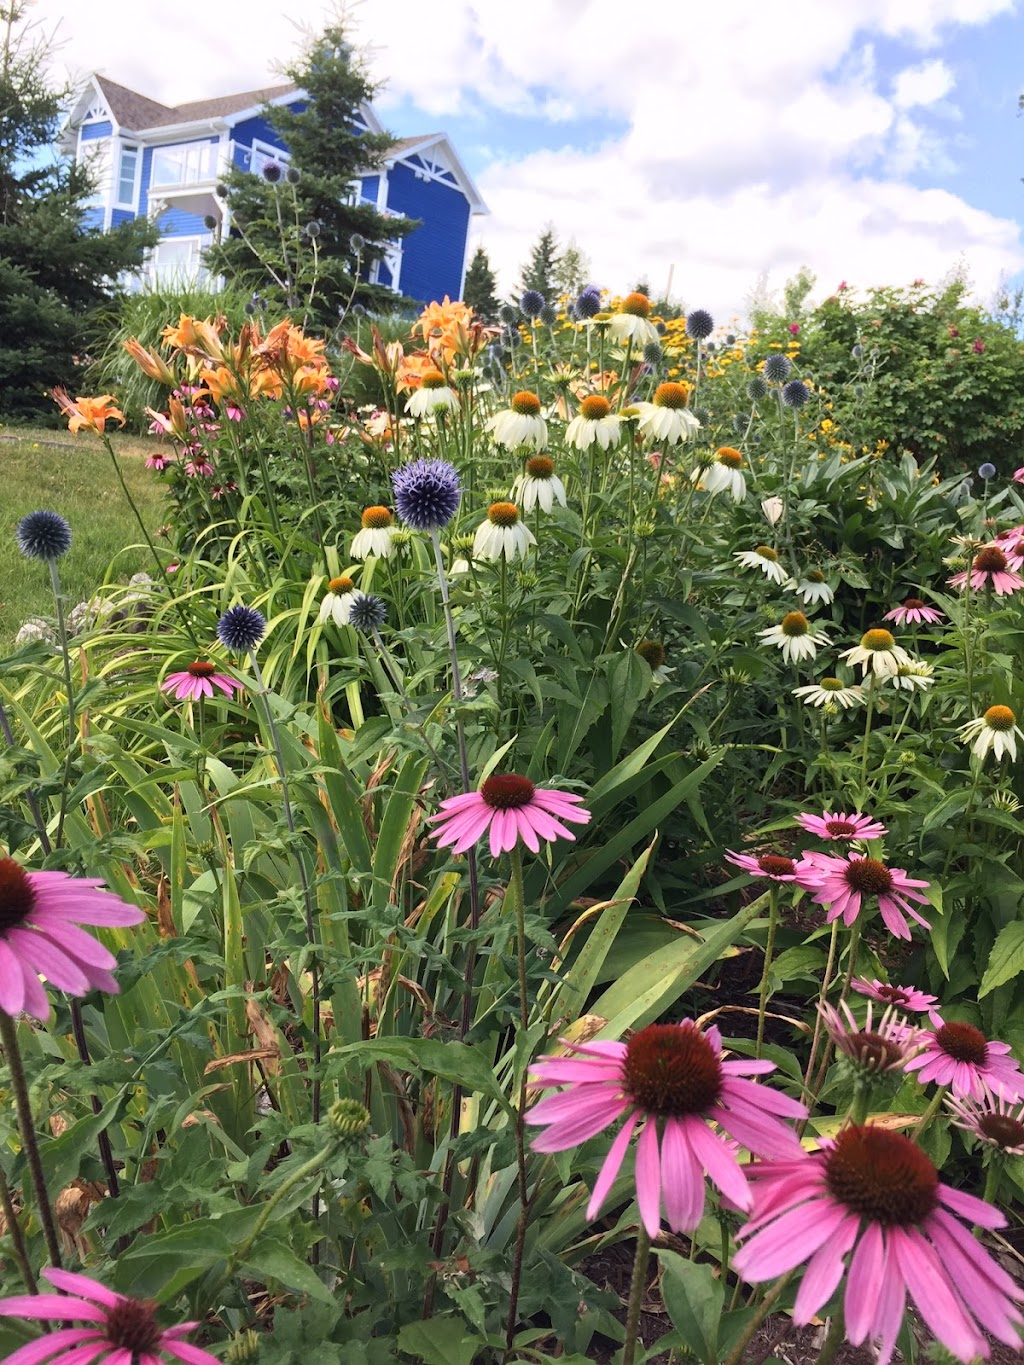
(59, 968)
(720, 1165)
(42, 1348)
(682, 1177)
(867, 1269)
(51, 1306)
(508, 809)
(648, 1179)
(192, 1355)
(83, 1286)
(609, 1171)
(570, 1132)
(929, 1289)
(975, 1288)
(824, 1272)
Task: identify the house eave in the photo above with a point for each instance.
(477, 204)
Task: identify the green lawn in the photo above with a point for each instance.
(73, 476)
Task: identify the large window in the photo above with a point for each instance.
(126, 176)
(186, 163)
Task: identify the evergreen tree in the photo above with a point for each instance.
(539, 271)
(572, 270)
(479, 289)
(56, 276)
(300, 239)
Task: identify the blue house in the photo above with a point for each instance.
(151, 159)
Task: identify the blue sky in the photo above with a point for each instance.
(875, 141)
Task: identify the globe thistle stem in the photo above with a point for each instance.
(23, 1106)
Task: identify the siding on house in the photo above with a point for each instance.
(91, 131)
(433, 255)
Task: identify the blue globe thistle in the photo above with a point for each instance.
(661, 328)
(367, 612)
(241, 628)
(986, 471)
(730, 339)
(739, 424)
(357, 244)
(588, 305)
(700, 324)
(210, 223)
(312, 229)
(777, 368)
(293, 175)
(507, 314)
(795, 394)
(427, 493)
(43, 535)
(548, 315)
(271, 171)
(531, 303)
(703, 416)
(653, 354)
(857, 351)
(757, 389)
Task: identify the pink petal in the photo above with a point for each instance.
(612, 1164)
(36, 1351)
(59, 969)
(184, 1350)
(935, 1295)
(85, 949)
(720, 1164)
(122, 1357)
(972, 1208)
(975, 1274)
(12, 980)
(867, 1267)
(648, 1178)
(464, 801)
(470, 837)
(526, 830)
(81, 1285)
(51, 1306)
(892, 1302)
(82, 1355)
(682, 1179)
(570, 1132)
(792, 1238)
(824, 1271)
(573, 1070)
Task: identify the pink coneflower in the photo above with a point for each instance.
(512, 808)
(960, 1056)
(1018, 475)
(906, 998)
(39, 935)
(199, 469)
(990, 570)
(839, 826)
(1011, 543)
(876, 1195)
(671, 1079)
(844, 882)
(996, 1120)
(158, 462)
(775, 867)
(914, 612)
(198, 680)
(978, 346)
(882, 1046)
(127, 1328)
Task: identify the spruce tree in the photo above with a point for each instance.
(57, 278)
(571, 270)
(539, 271)
(479, 290)
(301, 241)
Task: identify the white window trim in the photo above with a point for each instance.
(264, 149)
(139, 151)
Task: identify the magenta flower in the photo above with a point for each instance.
(829, 825)
(1018, 475)
(882, 1045)
(39, 935)
(198, 680)
(996, 1120)
(511, 808)
(670, 1080)
(960, 1056)
(199, 469)
(774, 867)
(158, 461)
(108, 1322)
(990, 570)
(1011, 543)
(843, 883)
(876, 1196)
(978, 346)
(914, 612)
(906, 998)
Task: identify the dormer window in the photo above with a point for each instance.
(127, 176)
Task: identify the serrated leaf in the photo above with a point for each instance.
(1006, 960)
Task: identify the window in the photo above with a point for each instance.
(185, 163)
(126, 175)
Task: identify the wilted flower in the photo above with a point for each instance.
(43, 535)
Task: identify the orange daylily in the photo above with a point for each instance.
(174, 424)
(94, 413)
(153, 365)
(411, 371)
(287, 349)
(437, 319)
(386, 358)
(190, 335)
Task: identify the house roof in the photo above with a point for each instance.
(135, 111)
(131, 109)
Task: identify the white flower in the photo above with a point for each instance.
(765, 559)
(877, 653)
(997, 729)
(595, 424)
(812, 588)
(502, 533)
(668, 418)
(725, 472)
(377, 535)
(520, 424)
(433, 395)
(772, 509)
(632, 322)
(337, 603)
(830, 692)
(912, 677)
(793, 635)
(539, 485)
(653, 654)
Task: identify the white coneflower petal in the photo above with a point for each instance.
(829, 692)
(878, 653)
(793, 635)
(503, 533)
(763, 557)
(997, 730)
(520, 424)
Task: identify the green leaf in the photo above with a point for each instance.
(270, 1259)
(1006, 960)
(451, 1061)
(439, 1341)
(629, 679)
(394, 826)
(160, 1265)
(694, 1298)
(62, 1156)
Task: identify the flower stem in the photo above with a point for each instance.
(636, 1295)
(12, 1053)
(930, 1112)
(516, 895)
(16, 1235)
(766, 1305)
(769, 949)
(833, 1339)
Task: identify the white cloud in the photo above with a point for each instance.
(922, 85)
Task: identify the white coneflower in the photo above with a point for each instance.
(520, 424)
(829, 692)
(877, 653)
(631, 321)
(653, 654)
(667, 417)
(377, 534)
(595, 424)
(539, 486)
(772, 509)
(812, 588)
(502, 533)
(912, 677)
(997, 729)
(793, 635)
(763, 557)
(338, 599)
(724, 472)
(433, 395)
